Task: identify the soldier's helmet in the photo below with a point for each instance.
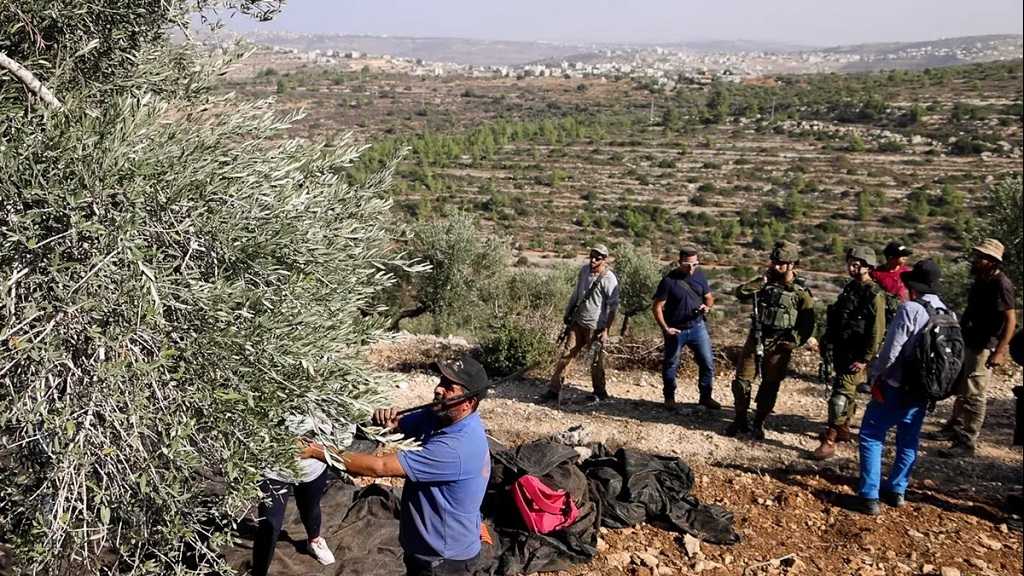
(785, 252)
(863, 253)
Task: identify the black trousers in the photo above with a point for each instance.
(417, 566)
(271, 512)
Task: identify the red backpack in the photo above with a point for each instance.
(543, 509)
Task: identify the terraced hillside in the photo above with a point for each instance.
(553, 163)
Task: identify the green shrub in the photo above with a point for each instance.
(514, 346)
(535, 296)
(855, 143)
(967, 146)
(891, 146)
(793, 205)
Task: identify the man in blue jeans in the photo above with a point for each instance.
(681, 302)
(890, 404)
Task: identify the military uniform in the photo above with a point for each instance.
(786, 319)
(854, 331)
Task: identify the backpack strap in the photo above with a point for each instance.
(931, 310)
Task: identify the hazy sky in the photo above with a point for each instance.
(811, 22)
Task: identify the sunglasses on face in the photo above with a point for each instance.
(597, 257)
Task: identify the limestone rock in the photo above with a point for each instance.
(645, 559)
(691, 545)
(990, 543)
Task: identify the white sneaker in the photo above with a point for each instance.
(318, 549)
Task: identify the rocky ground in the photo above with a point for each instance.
(792, 512)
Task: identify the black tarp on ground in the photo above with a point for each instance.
(614, 490)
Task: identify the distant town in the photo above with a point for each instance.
(663, 66)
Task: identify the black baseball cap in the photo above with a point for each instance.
(468, 373)
(894, 249)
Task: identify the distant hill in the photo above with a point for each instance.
(931, 53)
(788, 57)
(456, 50)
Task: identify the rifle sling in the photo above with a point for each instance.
(586, 296)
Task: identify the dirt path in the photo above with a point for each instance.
(785, 505)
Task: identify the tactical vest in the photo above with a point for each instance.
(778, 306)
(853, 312)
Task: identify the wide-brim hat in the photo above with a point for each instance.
(468, 373)
(924, 277)
(992, 248)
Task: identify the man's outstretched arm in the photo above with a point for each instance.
(361, 464)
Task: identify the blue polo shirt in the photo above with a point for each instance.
(681, 304)
(445, 486)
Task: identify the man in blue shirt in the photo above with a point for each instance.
(445, 479)
(682, 300)
(890, 404)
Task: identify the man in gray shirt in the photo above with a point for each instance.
(589, 313)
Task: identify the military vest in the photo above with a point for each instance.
(852, 315)
(779, 306)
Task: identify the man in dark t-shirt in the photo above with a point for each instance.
(988, 324)
(681, 301)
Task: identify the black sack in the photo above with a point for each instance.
(936, 356)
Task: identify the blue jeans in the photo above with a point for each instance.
(878, 419)
(696, 338)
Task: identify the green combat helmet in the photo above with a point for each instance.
(785, 252)
(864, 254)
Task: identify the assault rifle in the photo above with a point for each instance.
(825, 373)
(755, 332)
(825, 366)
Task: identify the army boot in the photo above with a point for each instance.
(757, 430)
(843, 433)
(827, 449)
(741, 399)
(739, 425)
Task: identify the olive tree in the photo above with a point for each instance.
(639, 273)
(467, 268)
(177, 278)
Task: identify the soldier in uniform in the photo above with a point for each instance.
(854, 331)
(784, 321)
